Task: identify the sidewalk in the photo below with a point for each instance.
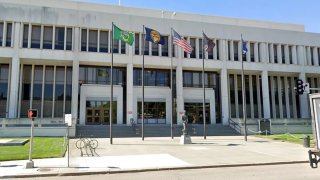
(133, 154)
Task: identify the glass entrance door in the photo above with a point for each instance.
(97, 112)
(194, 111)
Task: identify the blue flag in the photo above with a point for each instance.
(154, 36)
(244, 46)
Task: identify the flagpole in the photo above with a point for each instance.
(142, 105)
(243, 95)
(204, 94)
(111, 83)
(171, 85)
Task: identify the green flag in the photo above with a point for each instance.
(127, 37)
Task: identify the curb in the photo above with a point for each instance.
(148, 170)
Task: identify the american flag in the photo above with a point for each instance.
(178, 40)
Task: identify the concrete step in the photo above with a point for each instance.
(152, 130)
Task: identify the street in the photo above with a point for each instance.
(286, 171)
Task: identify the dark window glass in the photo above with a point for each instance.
(1, 33)
(83, 40)
(59, 38)
(155, 49)
(283, 55)
(136, 44)
(100, 75)
(235, 50)
(275, 53)
(103, 41)
(232, 96)
(37, 89)
(290, 54)
(47, 37)
(154, 112)
(25, 35)
(93, 40)
(146, 48)
(9, 34)
(123, 47)
(48, 92)
(68, 90)
(69, 39)
(193, 45)
(252, 52)
(217, 47)
(35, 36)
(165, 47)
(115, 46)
(4, 71)
(26, 90)
(59, 92)
(152, 77)
(210, 53)
(200, 49)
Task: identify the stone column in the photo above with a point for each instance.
(279, 54)
(75, 75)
(263, 53)
(286, 54)
(256, 52)
(224, 96)
(15, 69)
(265, 94)
(315, 56)
(301, 56)
(271, 53)
(294, 54)
(231, 51)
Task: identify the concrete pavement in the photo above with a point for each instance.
(133, 154)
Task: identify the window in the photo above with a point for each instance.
(194, 79)
(4, 73)
(136, 44)
(235, 50)
(103, 41)
(290, 54)
(1, 33)
(47, 37)
(155, 49)
(275, 54)
(26, 90)
(25, 35)
(59, 92)
(146, 47)
(35, 36)
(123, 47)
(152, 77)
(217, 48)
(165, 47)
(283, 59)
(311, 56)
(210, 52)
(93, 40)
(48, 92)
(59, 38)
(9, 34)
(37, 89)
(154, 112)
(193, 45)
(100, 75)
(252, 52)
(68, 90)
(83, 40)
(200, 49)
(69, 39)
(115, 46)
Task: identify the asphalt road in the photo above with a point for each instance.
(283, 172)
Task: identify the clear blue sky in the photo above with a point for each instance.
(305, 12)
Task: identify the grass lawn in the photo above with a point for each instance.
(43, 147)
(293, 138)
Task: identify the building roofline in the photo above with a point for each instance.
(157, 13)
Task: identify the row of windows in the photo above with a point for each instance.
(92, 40)
(4, 78)
(47, 37)
(46, 88)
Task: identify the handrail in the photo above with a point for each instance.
(235, 125)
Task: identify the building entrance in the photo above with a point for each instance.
(98, 112)
(194, 111)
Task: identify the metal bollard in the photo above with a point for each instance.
(306, 142)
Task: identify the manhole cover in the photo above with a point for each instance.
(44, 169)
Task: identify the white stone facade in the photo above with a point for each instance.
(278, 53)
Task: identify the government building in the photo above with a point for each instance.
(55, 56)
